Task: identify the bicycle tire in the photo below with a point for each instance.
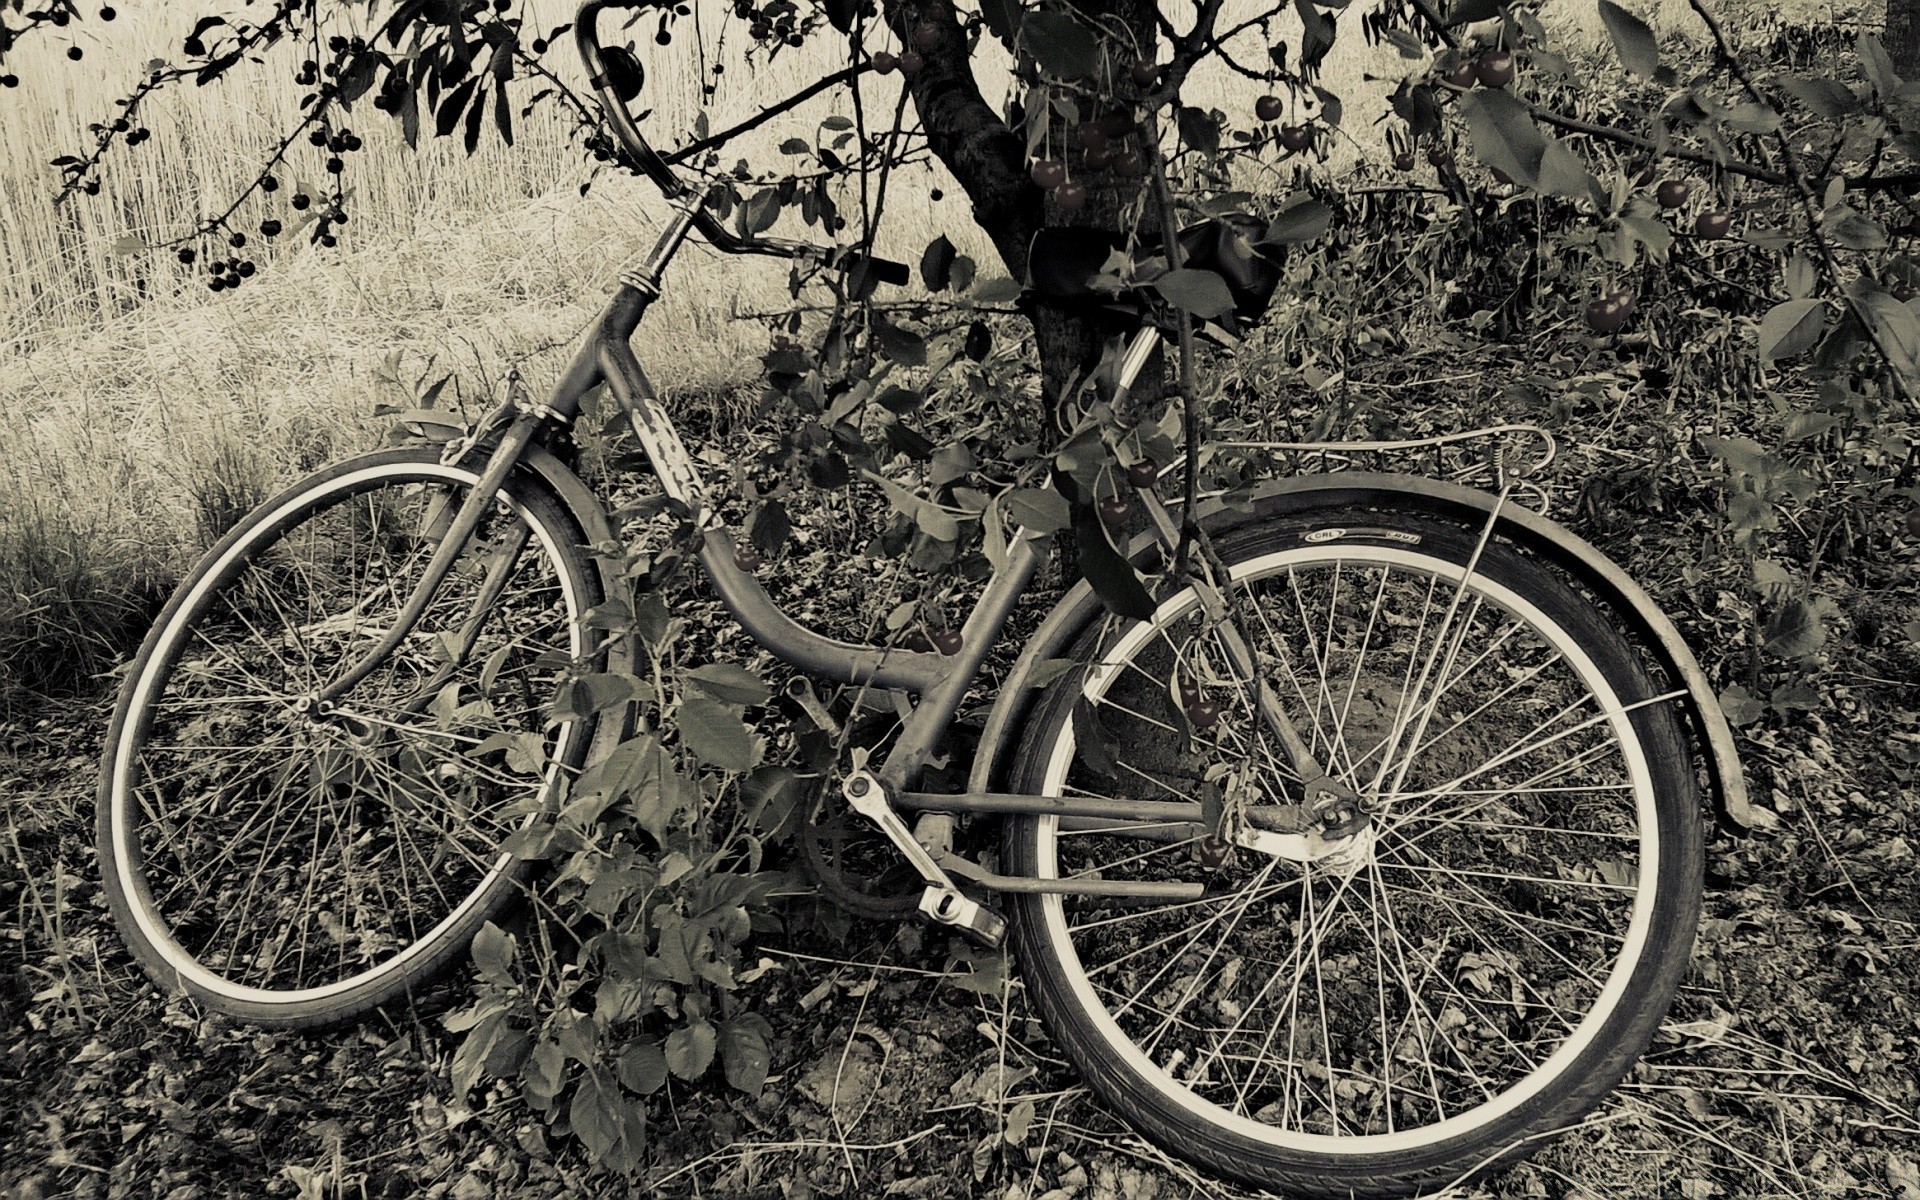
(297, 871)
(1274, 1128)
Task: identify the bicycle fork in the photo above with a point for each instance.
(453, 543)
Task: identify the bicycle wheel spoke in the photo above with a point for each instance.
(288, 849)
(1394, 986)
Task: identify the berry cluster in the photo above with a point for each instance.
(1103, 147)
(777, 22)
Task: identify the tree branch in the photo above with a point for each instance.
(825, 83)
(1808, 202)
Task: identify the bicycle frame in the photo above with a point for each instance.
(940, 681)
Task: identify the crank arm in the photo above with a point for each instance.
(943, 901)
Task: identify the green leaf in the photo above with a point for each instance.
(1894, 326)
(1198, 129)
(1062, 46)
(1112, 577)
(610, 1126)
(1794, 630)
(581, 697)
(1202, 293)
(933, 520)
(1038, 511)
(840, 14)
(1742, 706)
(901, 345)
(1002, 18)
(1826, 97)
(745, 1051)
(1317, 31)
(470, 1060)
(768, 527)
(936, 264)
(729, 683)
(1504, 134)
(690, 1049)
(1305, 221)
(1790, 328)
(1633, 41)
(643, 1067)
(717, 733)
(1853, 229)
(493, 954)
(1878, 65)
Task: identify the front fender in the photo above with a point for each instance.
(594, 525)
(1528, 530)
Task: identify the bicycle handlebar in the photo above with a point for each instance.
(633, 145)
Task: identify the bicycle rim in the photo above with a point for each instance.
(271, 859)
(1424, 988)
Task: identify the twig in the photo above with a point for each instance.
(844, 75)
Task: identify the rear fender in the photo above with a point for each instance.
(1647, 624)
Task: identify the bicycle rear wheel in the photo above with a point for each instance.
(297, 868)
(1475, 970)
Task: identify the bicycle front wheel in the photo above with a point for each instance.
(297, 867)
(1472, 969)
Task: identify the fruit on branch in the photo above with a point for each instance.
(1048, 173)
(1113, 509)
(1213, 852)
(911, 63)
(1127, 164)
(1190, 693)
(1269, 108)
(1143, 473)
(1096, 161)
(885, 61)
(1672, 193)
(1611, 311)
(1144, 72)
(918, 642)
(746, 557)
(1296, 137)
(926, 35)
(1203, 714)
(1116, 124)
(1494, 69)
(1403, 161)
(1903, 292)
(1439, 155)
(1462, 76)
(1712, 225)
(948, 641)
(1093, 138)
(1070, 195)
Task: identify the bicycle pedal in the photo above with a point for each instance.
(980, 924)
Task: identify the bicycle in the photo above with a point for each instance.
(1360, 896)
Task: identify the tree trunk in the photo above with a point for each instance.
(1903, 37)
(989, 161)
